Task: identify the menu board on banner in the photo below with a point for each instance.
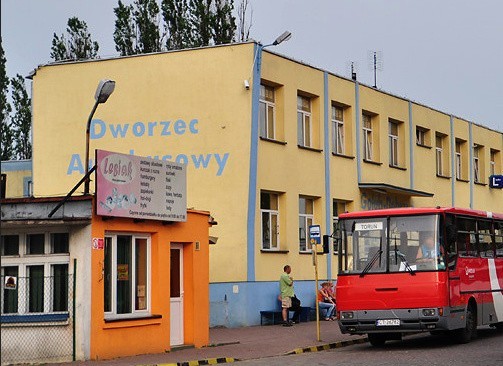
(141, 188)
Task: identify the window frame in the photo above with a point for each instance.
(270, 214)
(25, 262)
(266, 125)
(367, 137)
(393, 143)
(476, 163)
(134, 313)
(338, 133)
(304, 122)
(439, 154)
(307, 220)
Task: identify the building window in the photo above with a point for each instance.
(269, 212)
(127, 276)
(494, 162)
(367, 137)
(476, 164)
(422, 136)
(10, 245)
(59, 243)
(458, 158)
(306, 219)
(338, 207)
(393, 143)
(439, 148)
(35, 243)
(267, 112)
(35, 285)
(304, 121)
(337, 130)
(3, 185)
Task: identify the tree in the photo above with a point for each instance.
(243, 29)
(223, 22)
(21, 121)
(124, 33)
(176, 17)
(200, 19)
(78, 46)
(147, 21)
(6, 134)
(137, 28)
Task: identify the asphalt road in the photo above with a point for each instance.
(415, 350)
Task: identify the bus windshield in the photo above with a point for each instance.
(391, 244)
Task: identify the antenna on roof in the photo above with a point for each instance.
(353, 68)
(375, 63)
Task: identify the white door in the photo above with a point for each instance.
(176, 289)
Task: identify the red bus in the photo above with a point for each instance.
(408, 270)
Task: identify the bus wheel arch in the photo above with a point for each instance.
(469, 331)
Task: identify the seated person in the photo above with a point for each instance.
(325, 303)
(429, 251)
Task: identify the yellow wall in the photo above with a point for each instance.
(17, 174)
(204, 85)
(207, 85)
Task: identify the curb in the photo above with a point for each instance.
(326, 347)
(208, 361)
(214, 361)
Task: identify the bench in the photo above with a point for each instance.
(275, 317)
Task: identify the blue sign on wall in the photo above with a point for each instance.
(314, 234)
(496, 181)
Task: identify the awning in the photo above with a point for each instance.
(384, 188)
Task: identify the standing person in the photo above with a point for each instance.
(286, 290)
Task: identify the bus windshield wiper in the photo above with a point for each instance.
(404, 261)
(371, 263)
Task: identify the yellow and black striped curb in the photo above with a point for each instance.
(208, 361)
(326, 347)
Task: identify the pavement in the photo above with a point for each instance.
(229, 345)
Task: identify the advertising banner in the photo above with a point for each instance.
(140, 188)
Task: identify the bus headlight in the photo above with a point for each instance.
(429, 312)
(347, 315)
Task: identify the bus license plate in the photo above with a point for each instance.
(387, 322)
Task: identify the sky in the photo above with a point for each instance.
(446, 54)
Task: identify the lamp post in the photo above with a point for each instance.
(252, 191)
(104, 90)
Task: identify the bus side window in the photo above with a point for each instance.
(486, 248)
(466, 240)
(498, 238)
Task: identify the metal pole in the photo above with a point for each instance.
(86, 167)
(74, 301)
(315, 262)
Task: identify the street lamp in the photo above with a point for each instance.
(104, 90)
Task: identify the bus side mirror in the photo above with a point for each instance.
(326, 247)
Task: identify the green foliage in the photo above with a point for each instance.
(21, 121)
(78, 46)
(137, 28)
(6, 134)
(187, 23)
(200, 19)
(223, 23)
(176, 16)
(124, 33)
(147, 19)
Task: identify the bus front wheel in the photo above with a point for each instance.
(466, 334)
(377, 339)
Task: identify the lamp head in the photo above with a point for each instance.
(104, 90)
(285, 36)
